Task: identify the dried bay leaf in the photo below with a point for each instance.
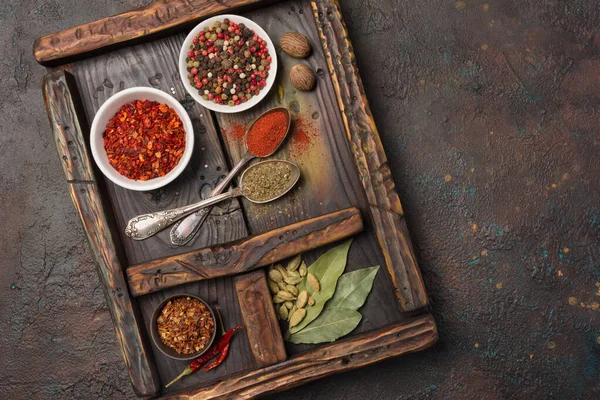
(353, 288)
(331, 324)
(327, 269)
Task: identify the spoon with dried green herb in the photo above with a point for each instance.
(261, 183)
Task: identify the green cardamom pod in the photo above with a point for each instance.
(302, 299)
(303, 269)
(292, 289)
(282, 286)
(284, 273)
(277, 299)
(293, 280)
(292, 311)
(294, 263)
(285, 295)
(289, 305)
(311, 301)
(273, 286)
(293, 274)
(283, 312)
(297, 317)
(313, 282)
(275, 276)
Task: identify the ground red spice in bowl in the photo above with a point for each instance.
(144, 140)
(186, 325)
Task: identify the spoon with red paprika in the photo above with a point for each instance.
(262, 139)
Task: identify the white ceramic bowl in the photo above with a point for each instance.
(110, 108)
(224, 108)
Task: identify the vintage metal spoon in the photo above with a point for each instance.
(145, 225)
(187, 228)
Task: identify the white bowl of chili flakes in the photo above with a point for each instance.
(141, 138)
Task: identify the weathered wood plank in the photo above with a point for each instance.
(260, 321)
(358, 351)
(371, 162)
(244, 255)
(61, 105)
(86, 197)
(159, 16)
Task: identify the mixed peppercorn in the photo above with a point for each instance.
(144, 140)
(228, 63)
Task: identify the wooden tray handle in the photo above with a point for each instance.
(244, 255)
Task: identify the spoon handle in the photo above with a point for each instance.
(145, 225)
(187, 228)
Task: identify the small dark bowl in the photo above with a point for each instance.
(166, 350)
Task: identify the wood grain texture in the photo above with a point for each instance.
(159, 16)
(375, 175)
(154, 64)
(318, 144)
(87, 200)
(244, 255)
(66, 127)
(260, 321)
(358, 351)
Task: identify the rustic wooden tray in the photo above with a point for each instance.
(346, 188)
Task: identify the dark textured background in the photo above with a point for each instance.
(490, 116)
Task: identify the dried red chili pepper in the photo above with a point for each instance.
(219, 359)
(144, 140)
(221, 347)
(266, 133)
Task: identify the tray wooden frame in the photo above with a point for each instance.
(386, 214)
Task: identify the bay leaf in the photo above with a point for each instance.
(353, 288)
(331, 324)
(327, 269)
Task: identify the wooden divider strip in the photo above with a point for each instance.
(259, 317)
(245, 254)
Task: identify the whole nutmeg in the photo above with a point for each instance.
(302, 77)
(295, 44)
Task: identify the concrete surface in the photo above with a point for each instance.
(489, 113)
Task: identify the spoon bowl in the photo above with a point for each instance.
(287, 130)
(294, 177)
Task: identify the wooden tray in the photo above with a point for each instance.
(346, 188)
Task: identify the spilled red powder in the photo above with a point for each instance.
(235, 133)
(303, 133)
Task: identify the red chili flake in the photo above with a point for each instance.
(144, 140)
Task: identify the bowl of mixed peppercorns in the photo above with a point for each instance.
(228, 63)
